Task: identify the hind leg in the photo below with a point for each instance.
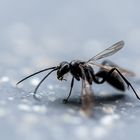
(105, 78)
(111, 77)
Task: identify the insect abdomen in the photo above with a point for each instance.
(113, 79)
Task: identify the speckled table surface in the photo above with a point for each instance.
(115, 115)
(39, 34)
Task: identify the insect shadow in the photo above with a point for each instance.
(100, 99)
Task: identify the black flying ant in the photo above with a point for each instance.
(109, 72)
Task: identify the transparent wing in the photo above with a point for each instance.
(86, 98)
(108, 68)
(107, 52)
(86, 95)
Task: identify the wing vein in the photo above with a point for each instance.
(107, 52)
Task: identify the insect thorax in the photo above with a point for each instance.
(75, 68)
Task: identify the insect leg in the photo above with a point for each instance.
(72, 83)
(126, 81)
(94, 77)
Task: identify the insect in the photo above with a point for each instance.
(84, 71)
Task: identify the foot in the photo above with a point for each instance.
(65, 101)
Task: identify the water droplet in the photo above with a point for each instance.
(10, 98)
(39, 109)
(24, 107)
(5, 79)
(109, 109)
(34, 81)
(129, 104)
(109, 120)
(51, 98)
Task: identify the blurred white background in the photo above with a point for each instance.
(44, 32)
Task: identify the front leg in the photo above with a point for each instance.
(72, 83)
